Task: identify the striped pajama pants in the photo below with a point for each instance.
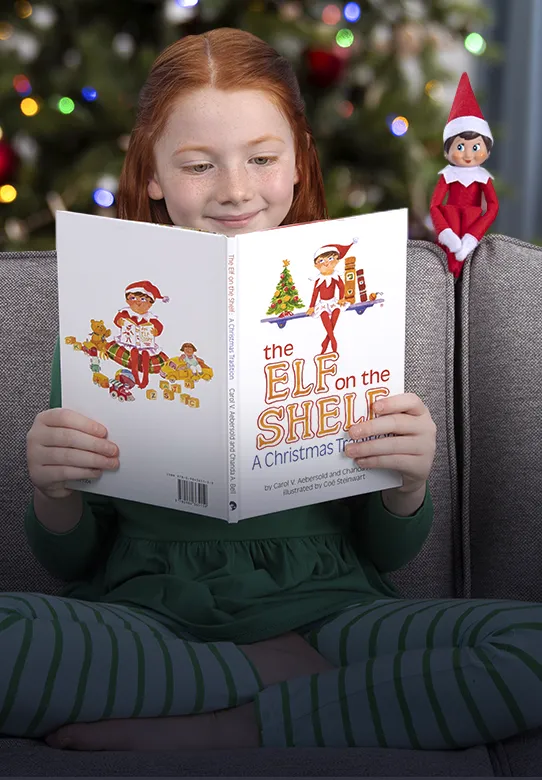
(431, 674)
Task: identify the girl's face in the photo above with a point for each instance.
(225, 162)
(467, 154)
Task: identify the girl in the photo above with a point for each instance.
(176, 631)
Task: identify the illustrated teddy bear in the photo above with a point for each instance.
(98, 337)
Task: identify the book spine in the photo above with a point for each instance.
(233, 409)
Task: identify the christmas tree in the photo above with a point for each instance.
(286, 297)
(376, 86)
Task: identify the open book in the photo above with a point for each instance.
(229, 370)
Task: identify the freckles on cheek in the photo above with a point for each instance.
(277, 184)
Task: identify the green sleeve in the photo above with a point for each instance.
(389, 541)
(71, 555)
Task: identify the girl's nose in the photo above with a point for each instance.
(235, 186)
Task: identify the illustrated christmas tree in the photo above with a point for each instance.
(286, 297)
(374, 75)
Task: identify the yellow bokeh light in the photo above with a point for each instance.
(23, 9)
(1, 133)
(29, 107)
(6, 31)
(8, 193)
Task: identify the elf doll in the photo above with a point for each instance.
(461, 222)
(140, 341)
(328, 294)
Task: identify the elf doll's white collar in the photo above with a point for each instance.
(326, 278)
(465, 175)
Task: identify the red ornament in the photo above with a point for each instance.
(325, 68)
(9, 163)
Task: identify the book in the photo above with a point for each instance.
(228, 370)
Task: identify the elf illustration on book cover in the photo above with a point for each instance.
(461, 221)
(136, 350)
(331, 293)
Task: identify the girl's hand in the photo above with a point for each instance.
(64, 445)
(410, 451)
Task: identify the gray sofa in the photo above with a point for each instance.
(474, 355)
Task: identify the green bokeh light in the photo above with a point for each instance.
(66, 105)
(345, 38)
(475, 44)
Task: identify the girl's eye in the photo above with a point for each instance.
(262, 161)
(199, 167)
(476, 148)
(460, 147)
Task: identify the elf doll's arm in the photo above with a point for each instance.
(314, 296)
(157, 325)
(446, 236)
(121, 315)
(340, 285)
(481, 225)
(477, 230)
(440, 192)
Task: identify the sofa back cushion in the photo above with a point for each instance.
(30, 290)
(29, 330)
(500, 305)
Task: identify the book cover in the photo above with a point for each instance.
(228, 370)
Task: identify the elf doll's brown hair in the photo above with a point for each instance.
(225, 59)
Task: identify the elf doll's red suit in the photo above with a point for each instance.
(328, 293)
(127, 314)
(461, 222)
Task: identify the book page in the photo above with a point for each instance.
(143, 343)
(321, 336)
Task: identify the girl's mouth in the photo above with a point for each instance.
(236, 221)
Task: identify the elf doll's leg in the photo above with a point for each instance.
(134, 364)
(453, 217)
(145, 360)
(326, 321)
(334, 317)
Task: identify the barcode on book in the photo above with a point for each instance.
(191, 492)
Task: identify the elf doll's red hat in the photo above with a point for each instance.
(465, 115)
(339, 248)
(148, 288)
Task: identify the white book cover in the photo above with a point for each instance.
(228, 370)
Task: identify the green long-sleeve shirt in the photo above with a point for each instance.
(238, 582)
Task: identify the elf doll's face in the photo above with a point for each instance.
(140, 304)
(326, 265)
(467, 154)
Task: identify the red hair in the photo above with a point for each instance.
(225, 59)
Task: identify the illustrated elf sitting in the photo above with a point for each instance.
(135, 345)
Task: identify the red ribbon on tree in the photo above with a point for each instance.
(9, 163)
(324, 67)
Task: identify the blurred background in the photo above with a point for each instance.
(378, 76)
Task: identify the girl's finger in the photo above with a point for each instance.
(398, 424)
(408, 403)
(393, 445)
(406, 464)
(60, 474)
(81, 459)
